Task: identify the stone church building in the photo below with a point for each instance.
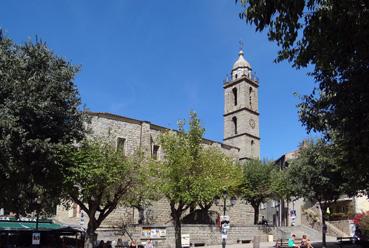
(241, 141)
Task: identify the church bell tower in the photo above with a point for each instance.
(241, 116)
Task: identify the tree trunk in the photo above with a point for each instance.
(90, 240)
(324, 233)
(256, 213)
(141, 215)
(324, 227)
(91, 236)
(177, 231)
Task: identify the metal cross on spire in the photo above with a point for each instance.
(241, 44)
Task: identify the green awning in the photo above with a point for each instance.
(19, 225)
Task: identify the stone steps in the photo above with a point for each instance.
(313, 235)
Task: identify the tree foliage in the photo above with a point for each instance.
(191, 174)
(332, 37)
(100, 179)
(218, 173)
(256, 184)
(39, 115)
(317, 176)
(281, 186)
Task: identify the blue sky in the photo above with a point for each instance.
(158, 60)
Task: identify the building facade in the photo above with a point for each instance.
(241, 142)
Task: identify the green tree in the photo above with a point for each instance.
(282, 188)
(331, 37)
(256, 184)
(99, 180)
(39, 115)
(191, 174)
(179, 170)
(316, 175)
(218, 173)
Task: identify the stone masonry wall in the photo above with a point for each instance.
(143, 135)
(199, 234)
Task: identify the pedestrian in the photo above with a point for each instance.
(357, 234)
(101, 244)
(291, 241)
(108, 244)
(119, 243)
(133, 244)
(149, 244)
(305, 242)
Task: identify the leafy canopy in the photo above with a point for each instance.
(332, 37)
(39, 115)
(256, 181)
(316, 174)
(190, 173)
(281, 186)
(101, 179)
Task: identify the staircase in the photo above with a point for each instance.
(312, 234)
(332, 229)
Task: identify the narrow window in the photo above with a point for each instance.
(250, 96)
(234, 90)
(234, 119)
(155, 152)
(120, 145)
(252, 147)
(235, 76)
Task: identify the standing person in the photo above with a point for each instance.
(101, 244)
(119, 243)
(357, 234)
(305, 242)
(264, 221)
(149, 244)
(291, 241)
(133, 244)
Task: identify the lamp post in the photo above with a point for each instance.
(37, 203)
(36, 235)
(225, 221)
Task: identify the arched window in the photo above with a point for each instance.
(234, 120)
(235, 76)
(250, 96)
(252, 147)
(234, 90)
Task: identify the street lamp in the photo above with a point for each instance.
(225, 221)
(38, 203)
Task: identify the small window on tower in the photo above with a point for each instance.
(235, 76)
(155, 152)
(120, 145)
(250, 96)
(234, 120)
(234, 90)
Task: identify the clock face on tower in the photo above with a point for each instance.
(252, 123)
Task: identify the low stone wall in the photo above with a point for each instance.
(200, 235)
(343, 225)
(334, 228)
